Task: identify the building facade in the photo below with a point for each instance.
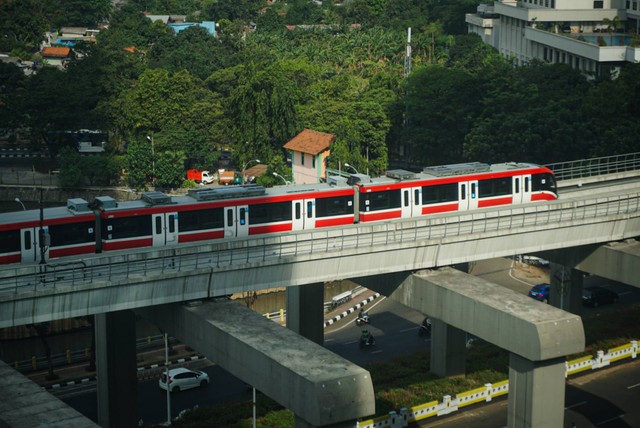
(594, 36)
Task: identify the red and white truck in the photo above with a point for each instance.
(198, 176)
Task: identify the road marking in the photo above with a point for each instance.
(611, 419)
(575, 405)
(377, 352)
(353, 341)
(409, 329)
(633, 386)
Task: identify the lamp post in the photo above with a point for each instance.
(20, 202)
(275, 174)
(350, 166)
(244, 168)
(153, 160)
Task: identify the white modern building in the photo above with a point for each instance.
(594, 36)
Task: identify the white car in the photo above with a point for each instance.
(181, 379)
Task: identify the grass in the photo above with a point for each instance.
(406, 381)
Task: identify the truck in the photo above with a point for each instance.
(204, 177)
(227, 177)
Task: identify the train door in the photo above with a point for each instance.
(471, 194)
(304, 214)
(463, 196)
(522, 189)
(407, 202)
(165, 229)
(29, 246)
(236, 221)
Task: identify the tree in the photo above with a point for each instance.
(139, 164)
(264, 107)
(71, 174)
(170, 169)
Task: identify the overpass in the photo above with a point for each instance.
(109, 285)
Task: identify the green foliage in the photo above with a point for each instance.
(169, 168)
(139, 164)
(71, 175)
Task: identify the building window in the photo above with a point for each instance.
(301, 158)
(313, 162)
(598, 4)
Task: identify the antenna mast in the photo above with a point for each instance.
(407, 57)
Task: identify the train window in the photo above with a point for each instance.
(297, 210)
(10, 241)
(158, 221)
(172, 223)
(518, 185)
(242, 216)
(27, 239)
(229, 218)
(376, 201)
(406, 198)
(203, 219)
(545, 181)
(464, 192)
(127, 227)
(526, 184)
(440, 193)
(73, 233)
(268, 213)
(495, 187)
(309, 209)
(416, 197)
(326, 207)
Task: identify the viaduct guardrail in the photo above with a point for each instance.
(595, 166)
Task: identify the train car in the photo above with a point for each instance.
(160, 220)
(62, 232)
(224, 212)
(449, 188)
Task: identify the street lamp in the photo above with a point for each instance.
(244, 168)
(153, 160)
(350, 166)
(275, 174)
(20, 202)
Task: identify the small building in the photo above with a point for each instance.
(309, 151)
(56, 56)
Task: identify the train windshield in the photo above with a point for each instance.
(544, 182)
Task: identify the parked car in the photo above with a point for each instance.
(540, 292)
(596, 296)
(182, 378)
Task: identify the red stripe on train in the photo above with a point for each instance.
(440, 209)
(543, 197)
(123, 245)
(341, 221)
(373, 216)
(72, 251)
(270, 228)
(10, 258)
(495, 202)
(201, 236)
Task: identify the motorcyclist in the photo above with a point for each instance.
(366, 337)
(363, 314)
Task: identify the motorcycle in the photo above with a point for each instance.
(367, 339)
(362, 319)
(425, 327)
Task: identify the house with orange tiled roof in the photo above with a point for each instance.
(56, 56)
(309, 151)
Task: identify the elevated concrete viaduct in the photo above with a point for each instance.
(319, 387)
(538, 337)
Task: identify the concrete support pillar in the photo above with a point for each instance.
(530, 403)
(566, 288)
(448, 345)
(116, 369)
(305, 311)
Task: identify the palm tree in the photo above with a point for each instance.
(613, 25)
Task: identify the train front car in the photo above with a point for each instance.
(451, 188)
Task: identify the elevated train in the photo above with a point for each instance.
(159, 220)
